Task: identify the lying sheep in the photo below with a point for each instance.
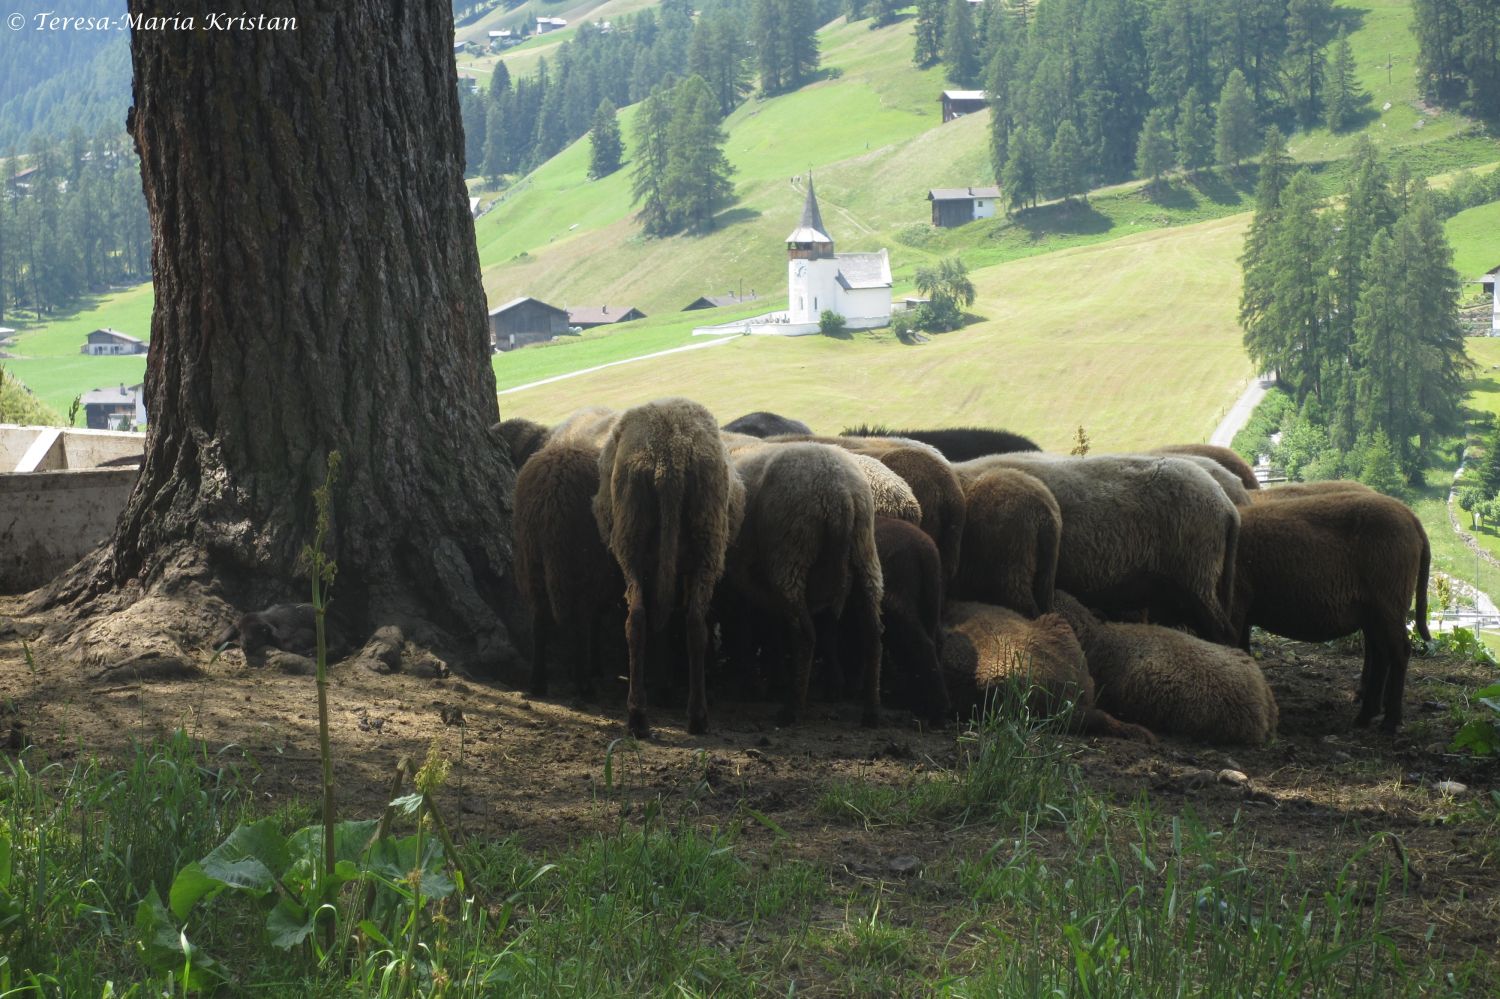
(911, 611)
(1137, 532)
(1169, 681)
(565, 574)
(1324, 566)
(955, 443)
(1226, 457)
(1010, 542)
(987, 649)
(667, 508)
(289, 627)
(807, 550)
(940, 496)
(523, 438)
(763, 424)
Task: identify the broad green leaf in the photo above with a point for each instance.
(1481, 738)
(349, 839)
(249, 858)
(288, 924)
(189, 887)
(164, 947)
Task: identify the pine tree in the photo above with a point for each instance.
(1153, 151)
(697, 183)
(960, 53)
(1306, 68)
(770, 59)
(929, 33)
(605, 145)
(1194, 133)
(1065, 175)
(1023, 167)
(885, 12)
(1344, 93)
(1235, 137)
(651, 153)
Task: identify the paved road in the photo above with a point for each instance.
(629, 360)
(1239, 413)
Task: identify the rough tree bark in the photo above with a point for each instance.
(317, 289)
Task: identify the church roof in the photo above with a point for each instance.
(863, 270)
(810, 229)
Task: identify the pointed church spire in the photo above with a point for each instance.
(810, 234)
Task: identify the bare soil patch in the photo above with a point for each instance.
(536, 768)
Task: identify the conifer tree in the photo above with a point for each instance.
(1065, 176)
(696, 183)
(1021, 178)
(1194, 133)
(929, 33)
(605, 145)
(1153, 151)
(1235, 137)
(1344, 93)
(1306, 68)
(651, 152)
(1287, 324)
(960, 52)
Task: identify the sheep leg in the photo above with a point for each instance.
(803, 642)
(1372, 676)
(1397, 655)
(917, 657)
(637, 625)
(540, 625)
(696, 626)
(587, 665)
(866, 631)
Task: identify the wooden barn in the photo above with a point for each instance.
(719, 301)
(526, 320)
(957, 103)
(955, 206)
(586, 317)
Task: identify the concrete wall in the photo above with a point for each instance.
(50, 520)
(52, 448)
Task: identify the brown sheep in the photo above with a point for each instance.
(892, 496)
(1169, 681)
(807, 549)
(523, 438)
(1227, 457)
(1010, 542)
(911, 611)
(939, 495)
(988, 648)
(1302, 490)
(956, 443)
(589, 425)
(667, 508)
(1139, 532)
(1325, 566)
(566, 575)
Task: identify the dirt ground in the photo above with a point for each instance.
(536, 767)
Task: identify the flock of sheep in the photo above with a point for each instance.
(939, 567)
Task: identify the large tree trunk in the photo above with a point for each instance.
(317, 289)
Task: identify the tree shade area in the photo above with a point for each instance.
(288, 333)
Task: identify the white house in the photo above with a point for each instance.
(109, 341)
(953, 206)
(857, 286)
(115, 409)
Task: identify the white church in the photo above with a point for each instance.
(856, 286)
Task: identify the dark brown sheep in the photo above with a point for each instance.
(523, 438)
(1325, 566)
(565, 574)
(956, 443)
(1227, 457)
(806, 550)
(1302, 490)
(940, 496)
(1010, 542)
(1137, 532)
(668, 505)
(764, 424)
(1169, 681)
(987, 649)
(911, 611)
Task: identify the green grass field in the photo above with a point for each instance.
(1475, 235)
(1135, 339)
(47, 358)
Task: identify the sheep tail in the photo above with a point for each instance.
(1422, 588)
(670, 490)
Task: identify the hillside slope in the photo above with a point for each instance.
(1067, 339)
(52, 81)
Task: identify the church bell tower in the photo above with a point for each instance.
(811, 268)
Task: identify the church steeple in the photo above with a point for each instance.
(809, 241)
